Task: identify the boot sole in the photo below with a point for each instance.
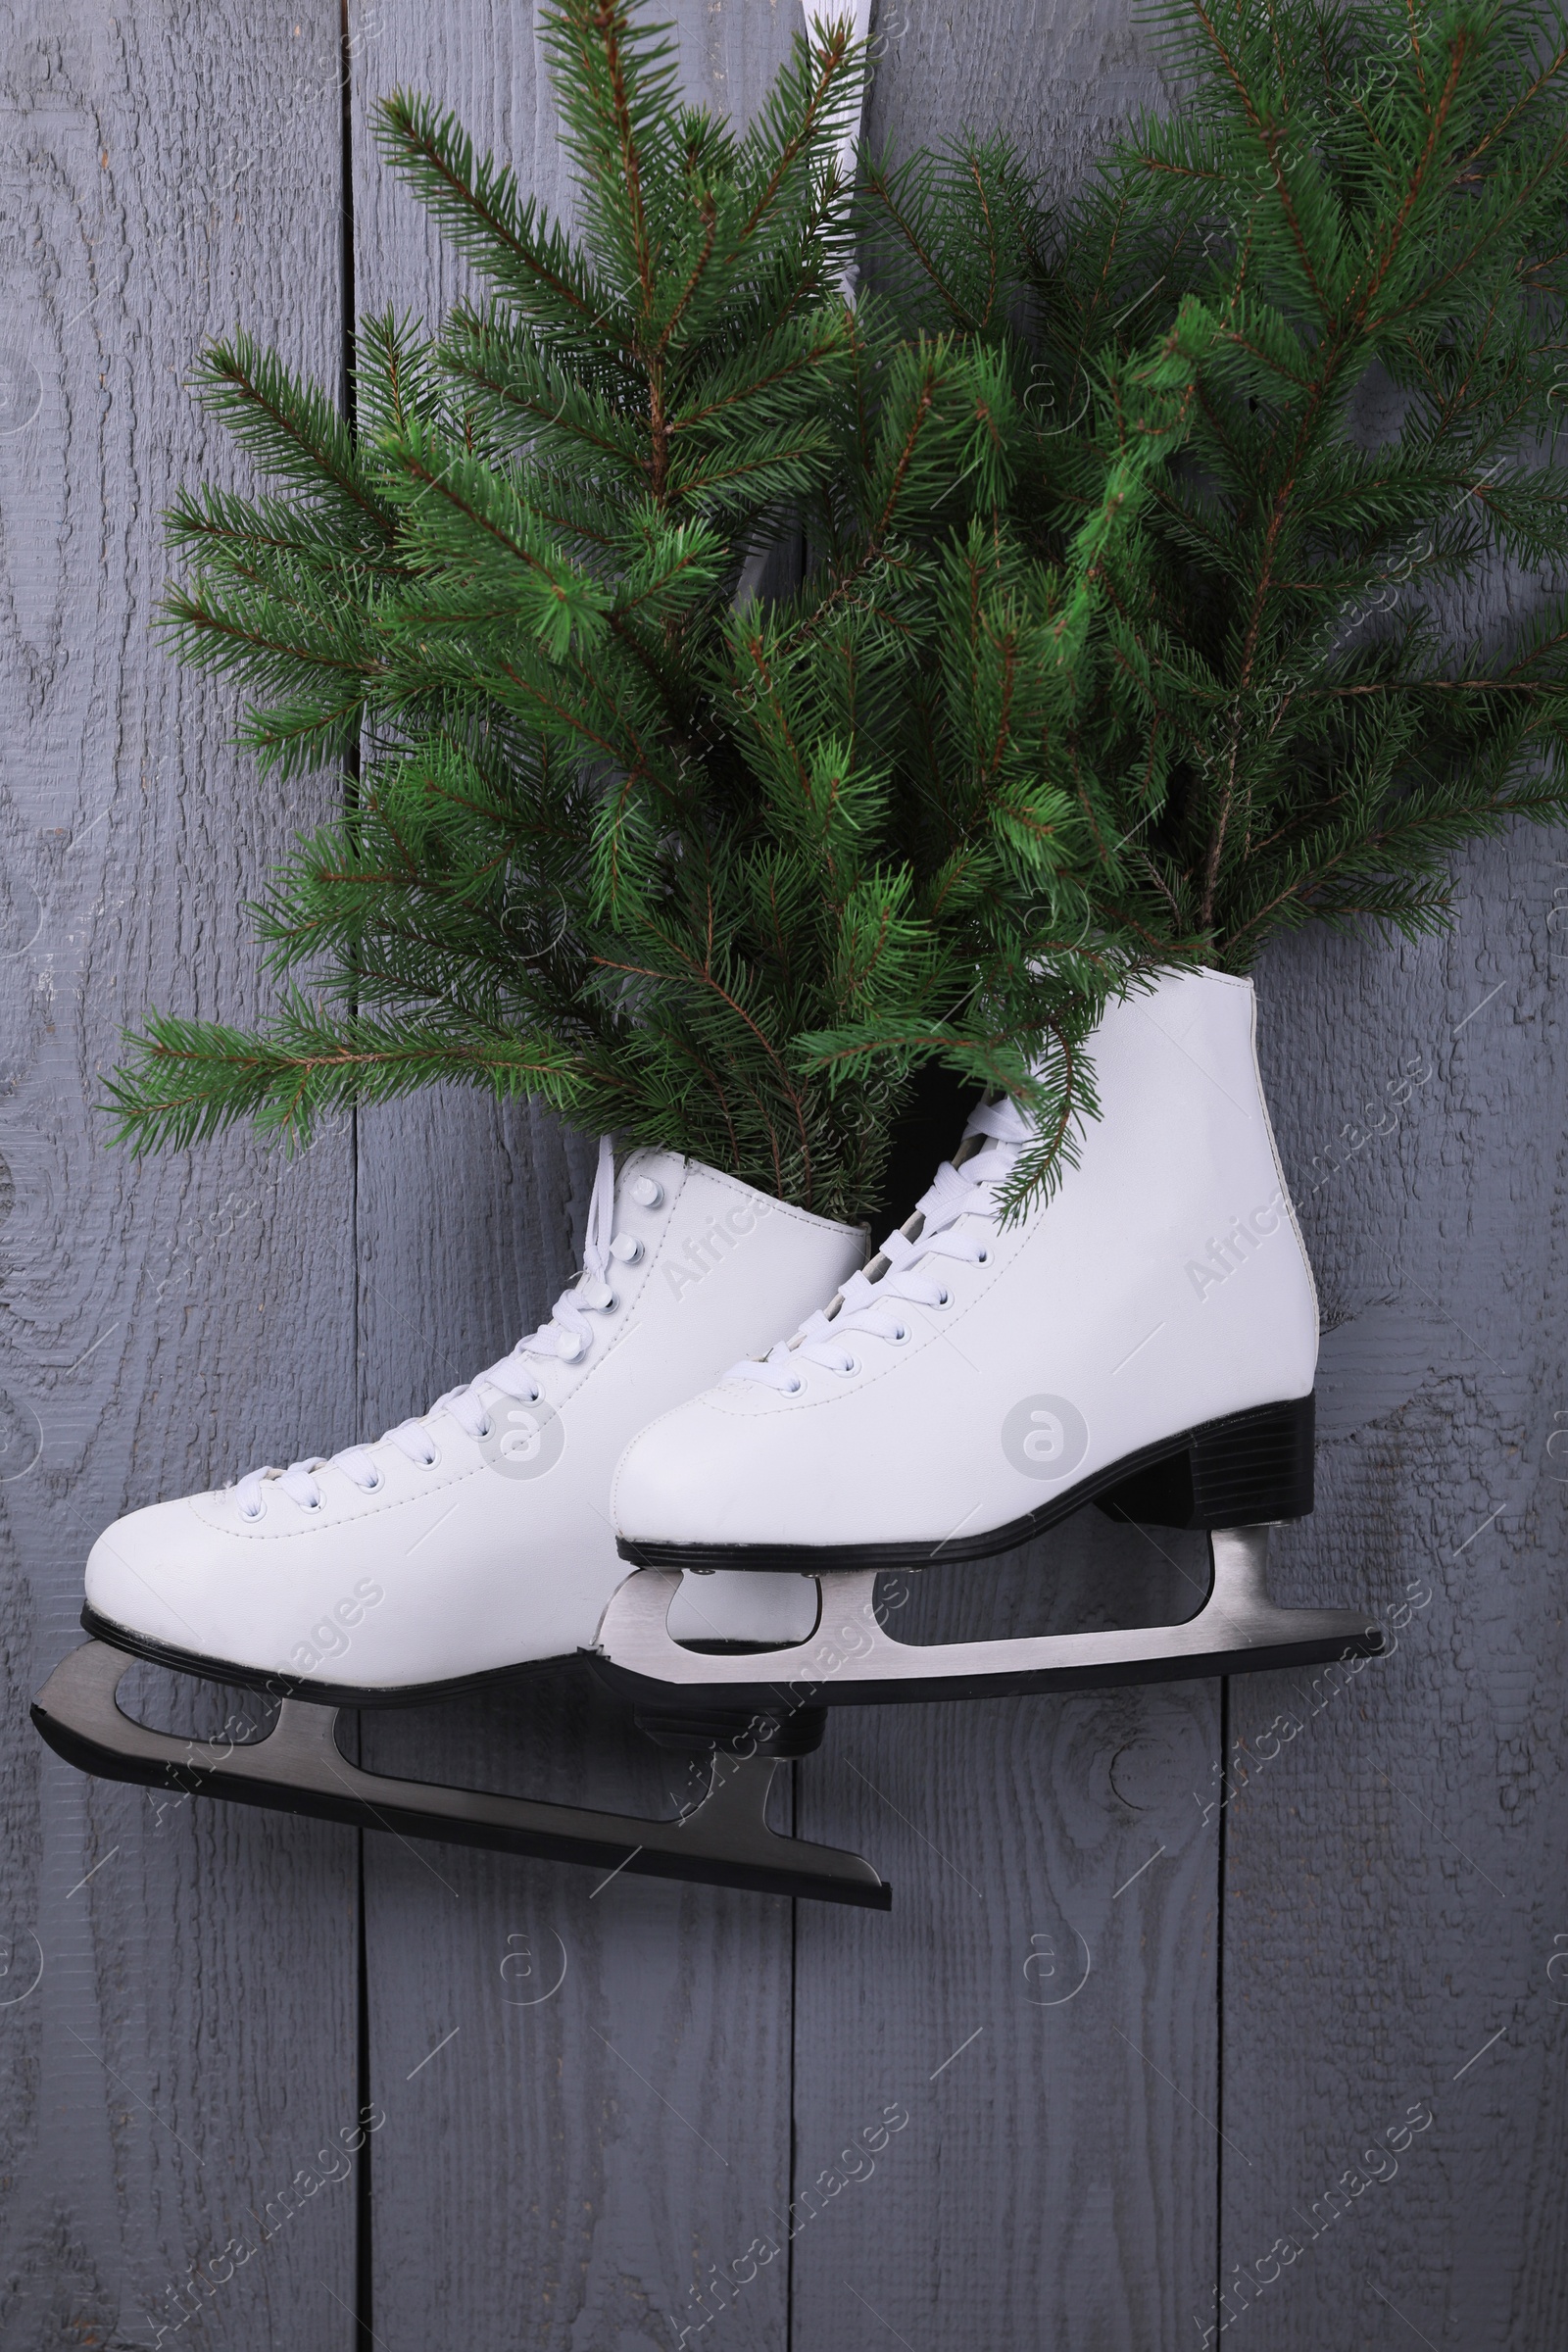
(704, 1733)
(1247, 1469)
(295, 1686)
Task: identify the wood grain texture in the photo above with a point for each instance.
(604, 2149)
(1394, 1881)
(1056, 2184)
(1140, 1997)
(1060, 77)
(1040, 2003)
(189, 2045)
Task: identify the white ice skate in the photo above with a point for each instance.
(1146, 1339)
(474, 1543)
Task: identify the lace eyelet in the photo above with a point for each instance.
(260, 1512)
(373, 1484)
(794, 1385)
(848, 1370)
(611, 1303)
(431, 1460)
(898, 1336)
(312, 1506)
(944, 1297)
(982, 1257)
(485, 1427)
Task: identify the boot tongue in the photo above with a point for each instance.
(993, 1164)
(994, 1136)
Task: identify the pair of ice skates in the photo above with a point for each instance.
(1147, 1341)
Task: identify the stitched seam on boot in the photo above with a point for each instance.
(776, 1207)
(396, 1503)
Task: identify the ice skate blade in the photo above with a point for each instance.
(723, 1840)
(851, 1660)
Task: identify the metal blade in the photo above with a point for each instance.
(851, 1660)
(723, 1839)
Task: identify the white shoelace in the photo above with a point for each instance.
(567, 1335)
(868, 1301)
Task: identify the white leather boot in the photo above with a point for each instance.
(1148, 1337)
(478, 1538)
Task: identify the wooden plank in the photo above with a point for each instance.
(1056, 2179)
(581, 2156)
(581, 2160)
(1395, 1840)
(1040, 2006)
(1058, 76)
(190, 2044)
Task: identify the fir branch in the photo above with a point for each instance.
(1114, 646)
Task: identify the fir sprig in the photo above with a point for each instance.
(1371, 203)
(719, 878)
(1118, 532)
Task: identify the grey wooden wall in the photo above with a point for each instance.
(1202, 2009)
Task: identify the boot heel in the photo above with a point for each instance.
(1243, 1471)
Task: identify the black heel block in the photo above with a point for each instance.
(1243, 1471)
